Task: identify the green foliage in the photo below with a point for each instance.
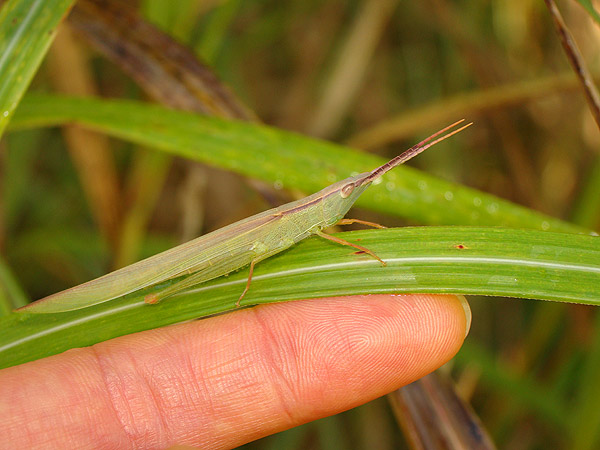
(26, 30)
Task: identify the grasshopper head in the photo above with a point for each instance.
(341, 196)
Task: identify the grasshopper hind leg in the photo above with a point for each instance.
(237, 304)
(192, 280)
(341, 241)
(362, 222)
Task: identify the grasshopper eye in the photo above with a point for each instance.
(347, 190)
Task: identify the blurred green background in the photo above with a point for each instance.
(376, 75)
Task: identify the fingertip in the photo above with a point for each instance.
(416, 334)
(436, 328)
(468, 315)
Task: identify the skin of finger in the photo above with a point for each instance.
(220, 382)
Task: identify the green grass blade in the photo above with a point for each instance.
(286, 159)
(11, 294)
(214, 31)
(26, 30)
(587, 207)
(489, 261)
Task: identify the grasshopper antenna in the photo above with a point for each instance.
(416, 149)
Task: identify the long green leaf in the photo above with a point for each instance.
(287, 159)
(489, 261)
(11, 294)
(26, 30)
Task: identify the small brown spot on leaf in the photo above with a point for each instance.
(151, 299)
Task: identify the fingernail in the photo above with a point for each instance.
(467, 309)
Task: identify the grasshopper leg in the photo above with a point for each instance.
(362, 222)
(192, 280)
(237, 304)
(344, 242)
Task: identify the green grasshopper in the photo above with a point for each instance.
(230, 248)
